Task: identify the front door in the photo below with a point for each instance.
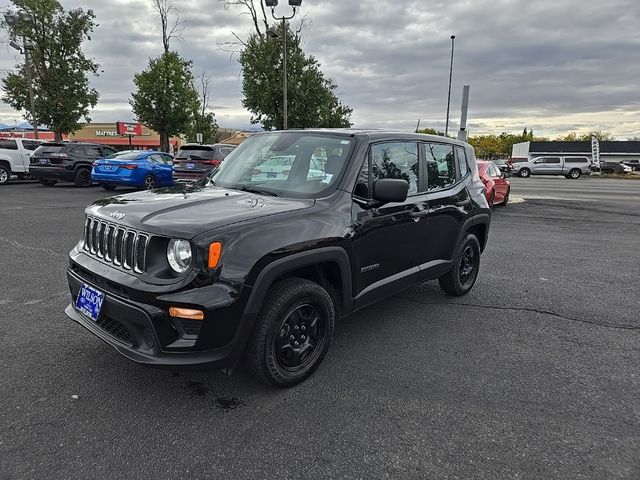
(547, 166)
(389, 240)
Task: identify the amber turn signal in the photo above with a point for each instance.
(187, 313)
(215, 249)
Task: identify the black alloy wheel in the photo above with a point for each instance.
(292, 333)
(5, 175)
(83, 178)
(300, 337)
(149, 182)
(47, 183)
(464, 272)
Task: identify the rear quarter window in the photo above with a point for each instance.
(576, 160)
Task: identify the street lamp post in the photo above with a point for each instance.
(446, 128)
(273, 4)
(24, 50)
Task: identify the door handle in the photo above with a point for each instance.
(420, 214)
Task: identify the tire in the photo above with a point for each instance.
(47, 183)
(149, 182)
(82, 178)
(5, 175)
(460, 279)
(492, 199)
(574, 173)
(506, 198)
(524, 173)
(107, 187)
(275, 353)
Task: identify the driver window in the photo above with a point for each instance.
(396, 160)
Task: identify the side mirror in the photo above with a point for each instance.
(386, 190)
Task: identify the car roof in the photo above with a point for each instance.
(375, 135)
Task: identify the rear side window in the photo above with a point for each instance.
(441, 166)
(30, 145)
(396, 160)
(93, 151)
(225, 151)
(8, 144)
(463, 166)
(576, 160)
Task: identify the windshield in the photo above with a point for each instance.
(295, 164)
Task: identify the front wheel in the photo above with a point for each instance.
(466, 265)
(524, 173)
(292, 333)
(574, 174)
(5, 175)
(47, 183)
(82, 178)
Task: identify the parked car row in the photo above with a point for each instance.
(570, 166)
(85, 164)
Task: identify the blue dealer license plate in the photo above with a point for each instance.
(90, 301)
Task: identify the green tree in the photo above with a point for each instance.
(431, 131)
(312, 101)
(165, 96)
(586, 137)
(60, 69)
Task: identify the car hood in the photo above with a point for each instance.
(186, 211)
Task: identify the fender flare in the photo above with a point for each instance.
(478, 219)
(269, 274)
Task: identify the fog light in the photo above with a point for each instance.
(187, 313)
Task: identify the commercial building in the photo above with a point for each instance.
(610, 151)
(107, 134)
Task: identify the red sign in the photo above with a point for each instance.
(125, 128)
(12, 135)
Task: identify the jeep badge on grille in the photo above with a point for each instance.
(117, 215)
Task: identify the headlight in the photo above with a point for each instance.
(179, 255)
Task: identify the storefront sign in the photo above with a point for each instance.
(125, 128)
(11, 134)
(107, 133)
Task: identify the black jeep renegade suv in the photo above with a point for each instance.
(294, 230)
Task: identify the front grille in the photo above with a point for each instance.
(115, 328)
(122, 247)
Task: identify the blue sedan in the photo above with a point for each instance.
(141, 169)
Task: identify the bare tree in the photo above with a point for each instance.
(165, 8)
(257, 12)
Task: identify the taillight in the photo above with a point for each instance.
(215, 163)
(286, 172)
(257, 171)
(130, 166)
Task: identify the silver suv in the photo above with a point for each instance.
(570, 167)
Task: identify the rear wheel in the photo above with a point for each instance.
(82, 178)
(524, 173)
(292, 333)
(464, 272)
(5, 175)
(107, 187)
(47, 183)
(149, 182)
(492, 199)
(574, 173)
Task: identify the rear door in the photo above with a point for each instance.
(448, 197)
(161, 169)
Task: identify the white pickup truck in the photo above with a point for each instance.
(15, 155)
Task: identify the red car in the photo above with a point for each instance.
(496, 185)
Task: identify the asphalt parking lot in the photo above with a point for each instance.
(534, 374)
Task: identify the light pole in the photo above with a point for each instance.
(273, 4)
(446, 128)
(24, 50)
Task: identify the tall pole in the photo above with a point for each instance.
(446, 128)
(32, 101)
(285, 112)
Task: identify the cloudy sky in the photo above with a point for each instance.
(552, 65)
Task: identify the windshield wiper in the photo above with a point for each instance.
(246, 188)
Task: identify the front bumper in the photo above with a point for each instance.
(144, 332)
